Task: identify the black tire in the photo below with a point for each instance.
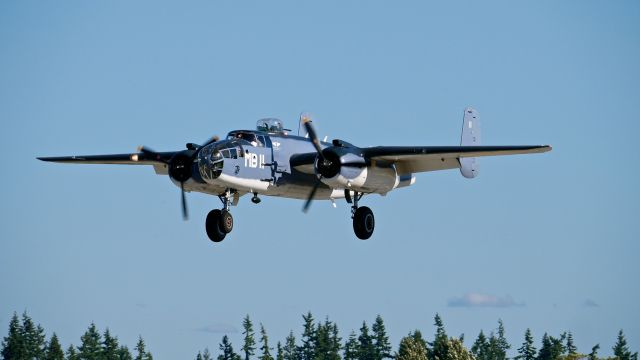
(213, 226)
(363, 223)
(226, 222)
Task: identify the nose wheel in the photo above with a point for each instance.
(363, 220)
(220, 221)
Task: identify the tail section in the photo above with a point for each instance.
(470, 137)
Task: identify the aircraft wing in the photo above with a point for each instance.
(120, 159)
(414, 159)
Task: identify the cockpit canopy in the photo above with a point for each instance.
(270, 125)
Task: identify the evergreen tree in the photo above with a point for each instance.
(307, 350)
(552, 348)
(199, 356)
(279, 351)
(227, 350)
(290, 351)
(248, 347)
(440, 347)
(527, 351)
(480, 348)
(381, 345)
(206, 355)
(90, 348)
(498, 345)
(621, 350)
(124, 353)
(141, 351)
(570, 347)
(457, 350)
(594, 352)
(13, 344)
(264, 340)
(33, 338)
(109, 346)
(72, 354)
(351, 347)
(335, 342)
(412, 347)
(366, 351)
(322, 340)
(327, 341)
(54, 350)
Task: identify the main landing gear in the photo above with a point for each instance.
(219, 221)
(363, 219)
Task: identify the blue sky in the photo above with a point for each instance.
(546, 241)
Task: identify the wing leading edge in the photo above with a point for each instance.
(119, 159)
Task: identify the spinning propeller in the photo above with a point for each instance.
(180, 166)
(322, 160)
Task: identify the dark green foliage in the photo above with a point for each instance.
(72, 354)
(381, 344)
(527, 351)
(205, 355)
(552, 348)
(440, 346)
(54, 349)
(110, 346)
(249, 344)
(327, 341)
(141, 351)
(13, 343)
(366, 351)
(264, 341)
(34, 338)
(412, 347)
(594, 352)
(480, 348)
(90, 347)
(227, 350)
(279, 351)
(570, 347)
(307, 350)
(351, 347)
(621, 350)
(124, 353)
(498, 345)
(290, 351)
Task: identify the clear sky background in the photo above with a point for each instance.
(550, 239)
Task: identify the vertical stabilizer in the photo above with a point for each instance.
(470, 137)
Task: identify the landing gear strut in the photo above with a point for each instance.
(220, 222)
(363, 219)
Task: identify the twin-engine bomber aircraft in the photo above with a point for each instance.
(270, 161)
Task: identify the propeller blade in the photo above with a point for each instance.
(312, 135)
(307, 204)
(185, 214)
(213, 139)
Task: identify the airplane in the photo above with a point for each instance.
(271, 161)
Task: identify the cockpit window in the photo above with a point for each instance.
(270, 125)
(247, 138)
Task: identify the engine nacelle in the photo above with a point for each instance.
(369, 179)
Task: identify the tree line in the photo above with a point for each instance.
(319, 340)
(27, 341)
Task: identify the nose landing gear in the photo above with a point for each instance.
(363, 219)
(220, 222)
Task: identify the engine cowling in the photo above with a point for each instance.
(345, 167)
